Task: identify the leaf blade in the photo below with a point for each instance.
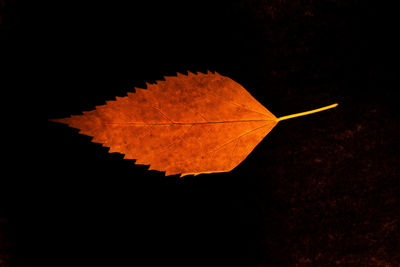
(188, 124)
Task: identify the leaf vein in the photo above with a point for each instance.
(246, 133)
(180, 123)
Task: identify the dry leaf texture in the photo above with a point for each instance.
(188, 124)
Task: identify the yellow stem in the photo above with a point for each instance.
(306, 112)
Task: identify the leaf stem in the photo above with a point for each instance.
(306, 112)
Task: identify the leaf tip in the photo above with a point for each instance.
(62, 120)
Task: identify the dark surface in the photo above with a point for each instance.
(320, 190)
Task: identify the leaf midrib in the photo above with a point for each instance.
(183, 123)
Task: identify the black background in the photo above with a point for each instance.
(317, 191)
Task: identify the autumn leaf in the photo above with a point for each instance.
(188, 124)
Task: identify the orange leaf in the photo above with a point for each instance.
(189, 124)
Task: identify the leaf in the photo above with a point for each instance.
(188, 124)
